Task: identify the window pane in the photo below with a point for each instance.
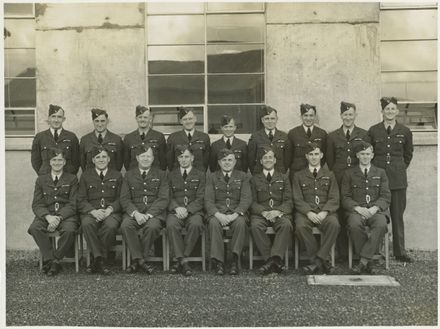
(19, 122)
(245, 116)
(20, 93)
(418, 116)
(235, 28)
(175, 7)
(408, 55)
(176, 30)
(166, 120)
(19, 33)
(410, 86)
(235, 89)
(235, 59)
(19, 63)
(408, 24)
(176, 59)
(176, 89)
(19, 9)
(235, 6)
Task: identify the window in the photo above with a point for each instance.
(409, 61)
(20, 80)
(209, 56)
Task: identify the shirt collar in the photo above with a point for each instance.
(59, 130)
(53, 175)
(229, 173)
(103, 171)
(311, 128)
(265, 172)
(188, 170)
(142, 170)
(273, 131)
(192, 131)
(231, 139)
(102, 134)
(345, 130)
(365, 167)
(313, 168)
(391, 125)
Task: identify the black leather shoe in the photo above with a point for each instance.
(267, 268)
(90, 268)
(46, 266)
(360, 268)
(219, 268)
(175, 268)
(186, 269)
(278, 266)
(404, 259)
(234, 268)
(328, 268)
(101, 268)
(133, 268)
(312, 269)
(55, 268)
(147, 268)
(369, 269)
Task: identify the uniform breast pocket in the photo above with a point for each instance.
(324, 185)
(111, 147)
(306, 186)
(280, 144)
(67, 148)
(238, 154)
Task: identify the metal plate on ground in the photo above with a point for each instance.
(352, 280)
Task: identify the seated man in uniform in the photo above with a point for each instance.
(144, 198)
(316, 197)
(98, 203)
(366, 198)
(272, 206)
(227, 199)
(54, 206)
(187, 191)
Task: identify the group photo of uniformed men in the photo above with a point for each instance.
(348, 184)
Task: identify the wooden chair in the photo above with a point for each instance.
(54, 236)
(315, 231)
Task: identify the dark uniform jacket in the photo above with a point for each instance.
(315, 194)
(299, 140)
(227, 198)
(392, 153)
(94, 193)
(273, 195)
(152, 137)
(111, 141)
(359, 191)
(238, 146)
(67, 141)
(187, 193)
(51, 199)
(200, 145)
(146, 196)
(340, 154)
(280, 144)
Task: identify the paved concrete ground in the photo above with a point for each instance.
(208, 300)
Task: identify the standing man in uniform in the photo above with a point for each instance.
(269, 136)
(229, 141)
(185, 210)
(98, 204)
(144, 135)
(227, 199)
(55, 137)
(144, 198)
(300, 136)
(54, 206)
(340, 156)
(271, 206)
(197, 140)
(316, 198)
(393, 151)
(101, 137)
(365, 198)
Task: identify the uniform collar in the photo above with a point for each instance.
(59, 130)
(53, 176)
(265, 172)
(142, 170)
(267, 131)
(188, 170)
(192, 131)
(144, 131)
(313, 168)
(392, 125)
(104, 172)
(345, 130)
(103, 134)
(311, 128)
(363, 168)
(231, 139)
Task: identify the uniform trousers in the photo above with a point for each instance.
(329, 227)
(238, 229)
(100, 236)
(67, 230)
(364, 246)
(140, 238)
(397, 207)
(283, 231)
(193, 226)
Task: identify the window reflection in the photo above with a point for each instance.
(409, 56)
(19, 33)
(175, 7)
(176, 59)
(408, 24)
(410, 86)
(235, 58)
(176, 29)
(234, 6)
(187, 89)
(19, 9)
(418, 116)
(235, 89)
(235, 28)
(20, 93)
(19, 122)
(246, 117)
(19, 63)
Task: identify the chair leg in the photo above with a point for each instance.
(286, 259)
(164, 251)
(387, 251)
(251, 252)
(350, 253)
(124, 255)
(76, 254)
(41, 261)
(296, 253)
(128, 257)
(203, 251)
(332, 255)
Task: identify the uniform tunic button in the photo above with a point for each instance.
(388, 163)
(55, 189)
(145, 190)
(185, 183)
(388, 145)
(102, 183)
(143, 143)
(388, 137)
(349, 165)
(348, 150)
(186, 190)
(145, 183)
(270, 192)
(55, 197)
(102, 191)
(316, 188)
(366, 181)
(366, 188)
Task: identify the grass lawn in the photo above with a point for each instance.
(204, 299)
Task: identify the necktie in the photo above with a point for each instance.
(100, 138)
(269, 177)
(309, 133)
(144, 174)
(143, 136)
(366, 173)
(315, 172)
(228, 143)
(55, 180)
(55, 135)
(185, 174)
(270, 135)
(226, 178)
(347, 135)
(101, 175)
(389, 130)
(189, 137)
